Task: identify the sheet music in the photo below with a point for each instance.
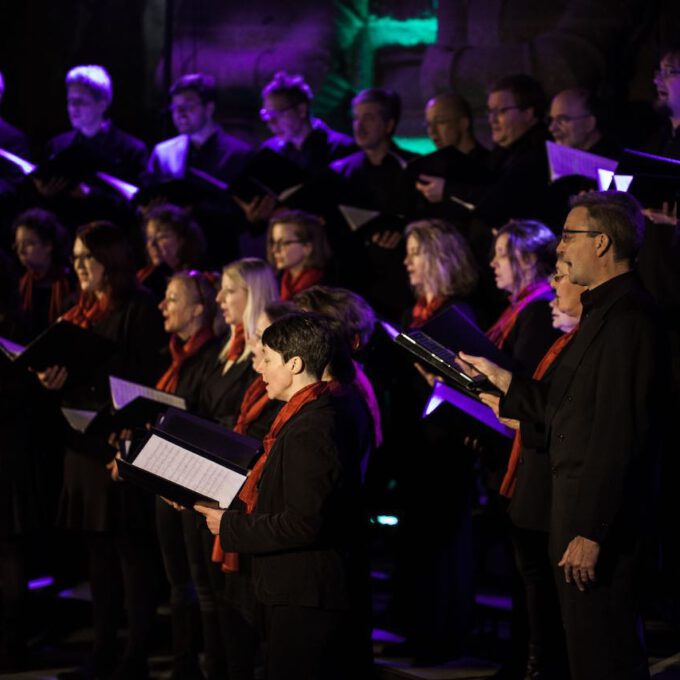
(564, 161)
(21, 163)
(186, 468)
(357, 217)
(77, 418)
(123, 392)
(12, 349)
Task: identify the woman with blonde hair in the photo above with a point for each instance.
(440, 267)
(248, 285)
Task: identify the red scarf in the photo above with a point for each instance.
(180, 353)
(145, 272)
(290, 285)
(59, 289)
(237, 342)
(250, 490)
(423, 310)
(89, 311)
(254, 401)
(363, 384)
(498, 333)
(510, 479)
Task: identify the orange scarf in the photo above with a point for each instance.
(59, 289)
(237, 343)
(290, 285)
(423, 311)
(510, 479)
(254, 401)
(180, 353)
(498, 333)
(145, 272)
(88, 311)
(250, 490)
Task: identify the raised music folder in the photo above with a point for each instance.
(175, 461)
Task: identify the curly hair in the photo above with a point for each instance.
(450, 266)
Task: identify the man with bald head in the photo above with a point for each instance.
(573, 122)
(449, 124)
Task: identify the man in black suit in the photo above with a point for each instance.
(302, 515)
(601, 414)
(203, 146)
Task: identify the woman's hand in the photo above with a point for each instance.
(113, 468)
(497, 376)
(53, 378)
(213, 517)
(430, 378)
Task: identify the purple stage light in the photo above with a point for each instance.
(380, 635)
(494, 601)
(40, 583)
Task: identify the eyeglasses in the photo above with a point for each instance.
(280, 245)
(500, 111)
(564, 119)
(666, 72)
(268, 115)
(79, 101)
(567, 233)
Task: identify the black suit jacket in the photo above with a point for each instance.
(304, 529)
(600, 415)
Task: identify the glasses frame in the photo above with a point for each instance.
(590, 232)
(280, 245)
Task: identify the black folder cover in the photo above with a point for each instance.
(454, 329)
(450, 164)
(656, 179)
(80, 351)
(267, 172)
(207, 435)
(179, 494)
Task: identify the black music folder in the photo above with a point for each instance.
(132, 406)
(80, 351)
(196, 187)
(171, 462)
(653, 180)
(268, 173)
(450, 164)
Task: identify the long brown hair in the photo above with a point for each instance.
(110, 248)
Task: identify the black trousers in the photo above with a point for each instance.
(546, 635)
(602, 625)
(306, 643)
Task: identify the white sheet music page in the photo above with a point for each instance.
(123, 392)
(564, 161)
(188, 469)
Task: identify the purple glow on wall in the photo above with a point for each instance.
(40, 583)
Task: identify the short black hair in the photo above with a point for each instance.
(527, 91)
(389, 102)
(305, 335)
(617, 214)
(204, 85)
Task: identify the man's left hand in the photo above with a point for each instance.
(579, 561)
(213, 517)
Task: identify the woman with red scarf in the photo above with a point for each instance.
(523, 258)
(300, 515)
(434, 593)
(114, 519)
(174, 241)
(189, 310)
(41, 244)
(298, 248)
(247, 285)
